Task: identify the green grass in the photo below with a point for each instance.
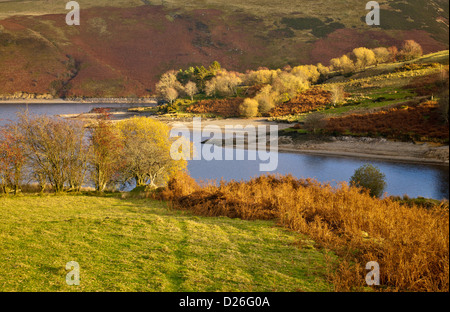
(141, 245)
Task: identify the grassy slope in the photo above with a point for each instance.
(378, 87)
(140, 245)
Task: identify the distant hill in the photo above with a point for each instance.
(123, 46)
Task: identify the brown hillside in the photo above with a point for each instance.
(123, 51)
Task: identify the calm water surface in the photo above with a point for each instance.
(402, 178)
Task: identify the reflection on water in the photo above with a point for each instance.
(411, 179)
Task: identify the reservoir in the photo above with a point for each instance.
(430, 181)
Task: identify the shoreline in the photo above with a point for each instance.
(349, 147)
(355, 154)
(87, 101)
(369, 148)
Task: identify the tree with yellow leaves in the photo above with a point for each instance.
(146, 152)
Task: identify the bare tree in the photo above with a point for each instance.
(171, 95)
(56, 149)
(106, 152)
(191, 89)
(169, 87)
(314, 122)
(12, 158)
(337, 94)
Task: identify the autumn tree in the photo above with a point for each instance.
(266, 99)
(382, 55)
(393, 51)
(146, 152)
(191, 89)
(261, 76)
(364, 58)
(307, 72)
(343, 64)
(323, 70)
(410, 50)
(56, 149)
(223, 84)
(169, 87)
(12, 158)
(337, 94)
(249, 108)
(171, 94)
(105, 162)
(289, 84)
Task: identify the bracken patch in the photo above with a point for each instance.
(410, 243)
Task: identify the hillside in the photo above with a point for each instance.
(122, 47)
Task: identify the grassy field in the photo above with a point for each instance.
(141, 245)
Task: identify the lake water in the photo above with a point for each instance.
(9, 111)
(430, 181)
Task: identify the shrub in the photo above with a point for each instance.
(410, 50)
(382, 55)
(221, 107)
(364, 57)
(343, 64)
(370, 178)
(404, 122)
(249, 108)
(310, 100)
(265, 99)
(315, 122)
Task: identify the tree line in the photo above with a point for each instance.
(275, 86)
(66, 155)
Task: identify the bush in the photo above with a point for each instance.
(364, 57)
(315, 122)
(249, 108)
(343, 64)
(370, 178)
(266, 99)
(410, 50)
